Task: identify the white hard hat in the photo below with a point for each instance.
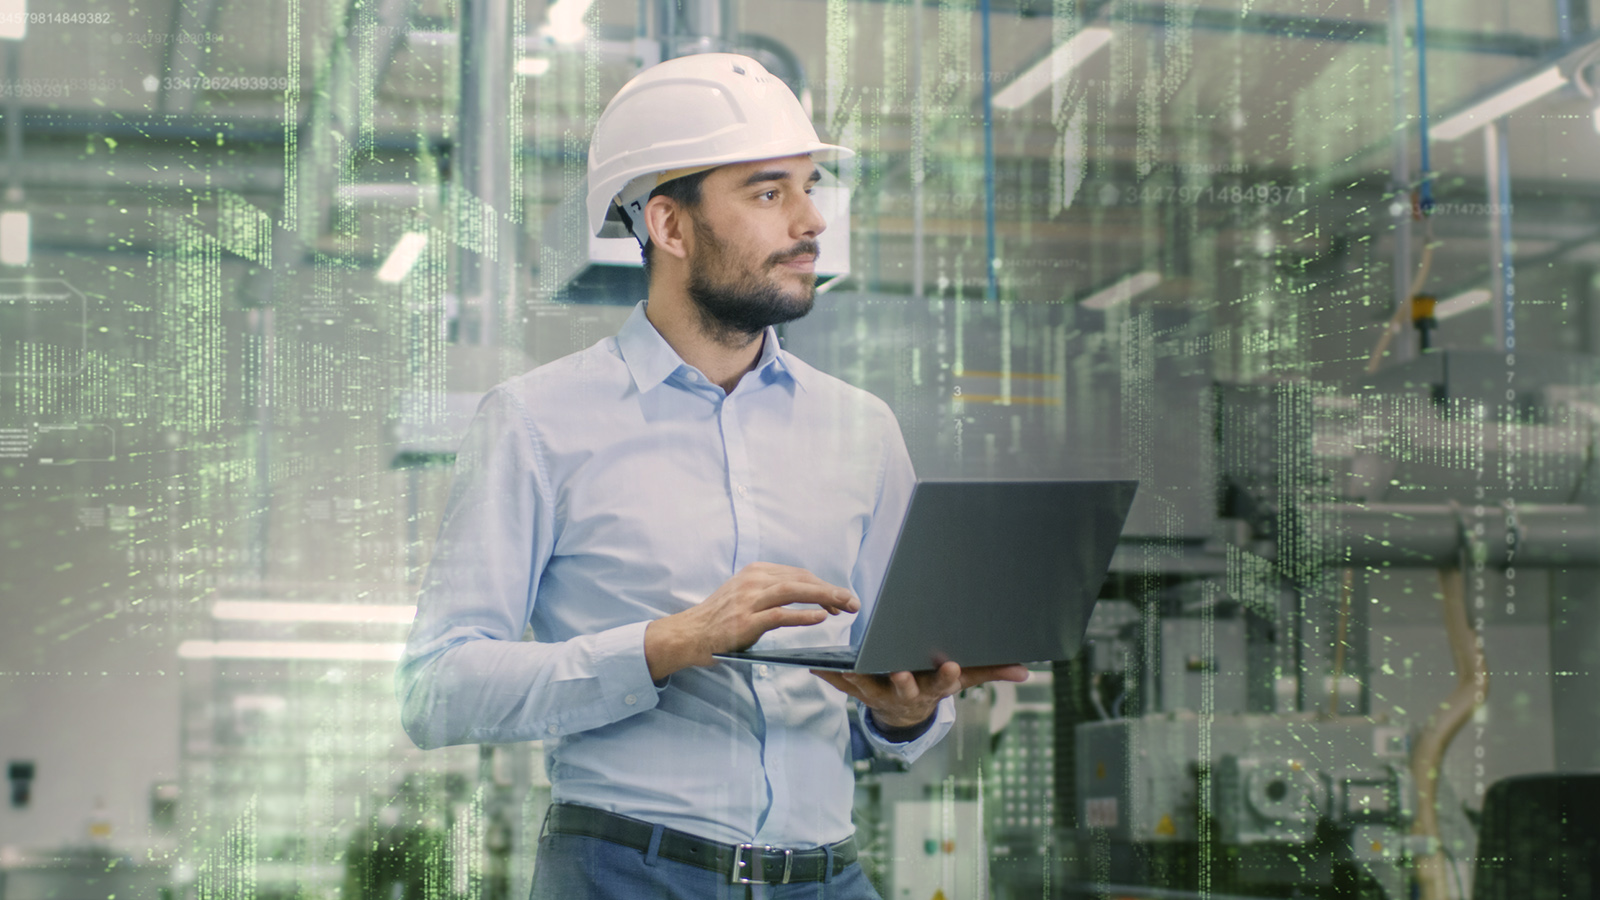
(690, 113)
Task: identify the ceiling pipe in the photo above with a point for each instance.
(1400, 178)
(1502, 268)
(1429, 535)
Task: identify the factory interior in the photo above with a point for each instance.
(1322, 275)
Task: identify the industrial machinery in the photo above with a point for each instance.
(1269, 664)
(1257, 764)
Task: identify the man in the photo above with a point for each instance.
(682, 489)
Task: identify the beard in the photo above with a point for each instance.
(736, 305)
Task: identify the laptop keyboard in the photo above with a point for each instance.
(820, 654)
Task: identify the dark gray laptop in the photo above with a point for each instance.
(984, 573)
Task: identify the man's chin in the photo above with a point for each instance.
(799, 306)
(804, 292)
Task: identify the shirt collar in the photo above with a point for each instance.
(651, 360)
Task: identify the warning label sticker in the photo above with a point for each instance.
(1100, 812)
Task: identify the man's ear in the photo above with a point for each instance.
(669, 224)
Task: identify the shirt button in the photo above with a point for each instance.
(744, 491)
(630, 699)
(761, 670)
(552, 729)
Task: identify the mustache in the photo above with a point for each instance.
(802, 248)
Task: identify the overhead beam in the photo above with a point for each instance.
(1313, 28)
(1306, 28)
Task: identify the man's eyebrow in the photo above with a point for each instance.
(778, 175)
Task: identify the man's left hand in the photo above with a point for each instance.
(904, 699)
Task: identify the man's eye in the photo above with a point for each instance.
(769, 194)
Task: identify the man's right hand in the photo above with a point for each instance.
(736, 615)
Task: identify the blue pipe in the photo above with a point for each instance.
(991, 290)
(1426, 203)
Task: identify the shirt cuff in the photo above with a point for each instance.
(908, 751)
(901, 735)
(618, 656)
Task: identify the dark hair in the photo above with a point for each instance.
(685, 192)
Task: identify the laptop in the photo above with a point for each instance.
(983, 573)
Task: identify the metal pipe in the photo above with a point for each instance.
(1430, 535)
(701, 23)
(668, 25)
(1400, 178)
(1425, 203)
(13, 50)
(1325, 30)
(263, 331)
(1219, 18)
(991, 287)
(1346, 583)
(918, 153)
(686, 27)
(1497, 172)
(483, 170)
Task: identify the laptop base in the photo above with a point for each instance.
(837, 659)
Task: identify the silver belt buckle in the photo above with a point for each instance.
(740, 862)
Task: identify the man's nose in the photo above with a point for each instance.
(808, 221)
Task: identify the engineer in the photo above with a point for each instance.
(684, 488)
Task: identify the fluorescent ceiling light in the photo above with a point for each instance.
(13, 19)
(281, 611)
(1122, 291)
(564, 21)
(533, 66)
(1507, 101)
(1060, 63)
(402, 257)
(14, 240)
(302, 650)
(15, 237)
(1460, 303)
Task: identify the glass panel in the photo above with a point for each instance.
(1319, 276)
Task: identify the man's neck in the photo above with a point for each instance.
(678, 321)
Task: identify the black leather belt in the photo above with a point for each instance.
(742, 863)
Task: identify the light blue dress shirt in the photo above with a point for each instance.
(618, 485)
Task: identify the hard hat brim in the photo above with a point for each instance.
(612, 226)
